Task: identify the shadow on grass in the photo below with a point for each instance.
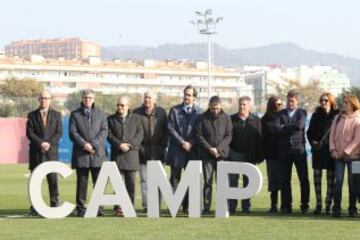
(164, 213)
(295, 215)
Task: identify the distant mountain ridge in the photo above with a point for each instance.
(287, 54)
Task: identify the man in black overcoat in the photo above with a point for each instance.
(44, 130)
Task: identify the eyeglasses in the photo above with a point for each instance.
(120, 105)
(279, 104)
(324, 100)
(44, 98)
(88, 98)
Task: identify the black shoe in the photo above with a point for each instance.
(336, 212)
(79, 212)
(286, 211)
(273, 209)
(205, 212)
(327, 210)
(144, 210)
(353, 213)
(317, 210)
(33, 213)
(304, 209)
(246, 210)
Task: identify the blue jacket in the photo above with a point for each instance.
(181, 127)
(292, 130)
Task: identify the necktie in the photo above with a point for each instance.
(87, 114)
(188, 110)
(44, 117)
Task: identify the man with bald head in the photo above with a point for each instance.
(154, 123)
(44, 130)
(125, 136)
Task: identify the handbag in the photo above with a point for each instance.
(319, 145)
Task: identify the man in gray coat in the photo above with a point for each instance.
(125, 137)
(88, 130)
(181, 129)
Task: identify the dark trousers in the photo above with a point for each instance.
(129, 177)
(175, 177)
(52, 181)
(330, 176)
(287, 159)
(339, 179)
(234, 182)
(82, 176)
(209, 168)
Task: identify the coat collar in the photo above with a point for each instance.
(153, 113)
(195, 108)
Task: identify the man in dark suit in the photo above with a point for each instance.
(125, 137)
(44, 130)
(213, 135)
(291, 127)
(181, 129)
(88, 130)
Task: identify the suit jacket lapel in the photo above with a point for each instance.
(48, 118)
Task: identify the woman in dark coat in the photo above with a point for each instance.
(318, 136)
(270, 149)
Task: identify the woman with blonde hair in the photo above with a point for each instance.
(345, 148)
(318, 136)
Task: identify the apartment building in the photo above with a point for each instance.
(63, 77)
(67, 48)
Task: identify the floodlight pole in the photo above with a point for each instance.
(209, 67)
(207, 25)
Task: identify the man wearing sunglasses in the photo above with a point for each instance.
(125, 137)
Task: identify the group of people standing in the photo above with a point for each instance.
(333, 135)
(186, 133)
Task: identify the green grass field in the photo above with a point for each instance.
(15, 224)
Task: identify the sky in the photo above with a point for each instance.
(331, 26)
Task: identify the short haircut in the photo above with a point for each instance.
(86, 92)
(44, 92)
(124, 97)
(193, 88)
(215, 100)
(293, 94)
(150, 93)
(244, 98)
